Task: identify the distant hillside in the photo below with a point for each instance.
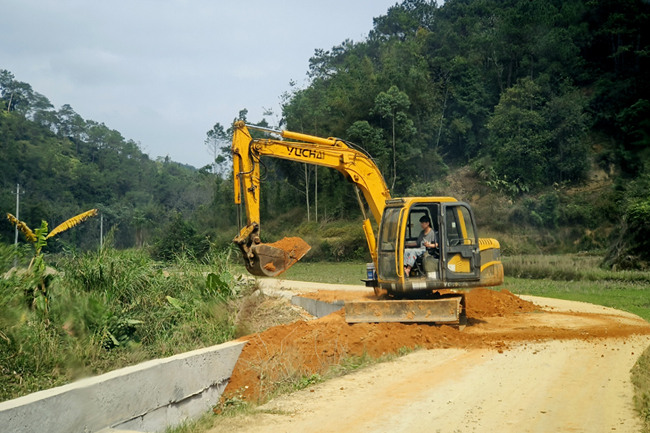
(66, 164)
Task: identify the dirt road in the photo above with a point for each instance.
(562, 381)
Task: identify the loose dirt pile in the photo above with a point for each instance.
(286, 353)
(483, 303)
(294, 247)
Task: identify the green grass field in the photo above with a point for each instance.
(632, 297)
(328, 272)
(323, 272)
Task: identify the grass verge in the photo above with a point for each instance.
(626, 296)
(568, 267)
(324, 272)
(641, 381)
(105, 310)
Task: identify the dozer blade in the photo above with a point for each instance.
(443, 310)
(270, 260)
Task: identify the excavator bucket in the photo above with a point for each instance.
(270, 260)
(446, 310)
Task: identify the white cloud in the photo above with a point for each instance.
(162, 72)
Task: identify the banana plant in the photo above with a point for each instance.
(36, 279)
(39, 237)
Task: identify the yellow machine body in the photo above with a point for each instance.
(461, 261)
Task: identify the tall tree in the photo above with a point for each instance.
(217, 143)
(392, 105)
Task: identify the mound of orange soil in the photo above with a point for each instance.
(303, 348)
(289, 352)
(483, 303)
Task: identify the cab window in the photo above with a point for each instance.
(389, 226)
(459, 226)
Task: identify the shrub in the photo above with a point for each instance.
(543, 212)
(641, 381)
(630, 248)
(179, 238)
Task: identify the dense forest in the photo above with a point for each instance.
(530, 100)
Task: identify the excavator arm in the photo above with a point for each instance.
(355, 165)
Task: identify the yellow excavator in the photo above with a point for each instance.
(432, 291)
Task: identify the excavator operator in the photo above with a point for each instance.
(428, 239)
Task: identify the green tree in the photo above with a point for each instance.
(179, 238)
(371, 139)
(392, 105)
(217, 141)
(567, 123)
(518, 135)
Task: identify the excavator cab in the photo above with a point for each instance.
(456, 263)
(428, 294)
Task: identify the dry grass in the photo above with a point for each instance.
(567, 267)
(258, 312)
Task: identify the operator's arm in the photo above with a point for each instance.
(431, 240)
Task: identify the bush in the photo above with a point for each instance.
(542, 212)
(630, 248)
(179, 238)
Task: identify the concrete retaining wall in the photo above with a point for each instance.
(317, 308)
(145, 397)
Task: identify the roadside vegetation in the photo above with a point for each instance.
(579, 278)
(569, 267)
(641, 381)
(85, 314)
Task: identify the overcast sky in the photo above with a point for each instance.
(163, 72)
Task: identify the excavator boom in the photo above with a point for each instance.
(358, 167)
